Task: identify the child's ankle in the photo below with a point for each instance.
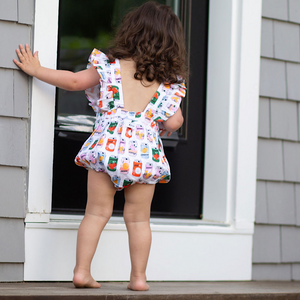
(138, 276)
(138, 282)
(79, 269)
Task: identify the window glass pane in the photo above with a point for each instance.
(85, 25)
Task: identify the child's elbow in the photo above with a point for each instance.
(181, 121)
(75, 83)
(178, 122)
(174, 124)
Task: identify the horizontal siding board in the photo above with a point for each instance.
(271, 272)
(266, 244)
(294, 11)
(298, 104)
(284, 119)
(286, 41)
(12, 187)
(6, 92)
(281, 203)
(295, 271)
(297, 204)
(264, 118)
(25, 11)
(21, 94)
(10, 272)
(291, 156)
(13, 146)
(261, 207)
(290, 244)
(272, 78)
(14, 91)
(293, 79)
(8, 10)
(275, 9)
(267, 43)
(269, 160)
(12, 249)
(13, 34)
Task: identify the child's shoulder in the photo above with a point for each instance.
(100, 61)
(98, 57)
(178, 89)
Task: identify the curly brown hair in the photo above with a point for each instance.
(152, 36)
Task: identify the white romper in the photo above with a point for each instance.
(124, 144)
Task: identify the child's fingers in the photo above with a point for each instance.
(162, 132)
(17, 63)
(28, 50)
(20, 55)
(23, 50)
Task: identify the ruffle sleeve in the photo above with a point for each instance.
(170, 100)
(100, 62)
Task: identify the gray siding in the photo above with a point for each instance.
(275, 9)
(276, 240)
(13, 181)
(12, 233)
(16, 20)
(11, 272)
(14, 85)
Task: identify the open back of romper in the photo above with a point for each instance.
(136, 94)
(126, 144)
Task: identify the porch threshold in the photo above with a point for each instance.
(279, 290)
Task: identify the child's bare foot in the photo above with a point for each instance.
(138, 284)
(83, 279)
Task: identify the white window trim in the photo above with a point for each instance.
(230, 145)
(42, 114)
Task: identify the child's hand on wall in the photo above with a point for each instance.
(63, 79)
(28, 63)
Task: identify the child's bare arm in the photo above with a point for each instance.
(67, 80)
(173, 123)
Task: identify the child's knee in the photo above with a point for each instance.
(107, 214)
(134, 214)
(103, 213)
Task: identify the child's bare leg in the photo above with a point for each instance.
(99, 208)
(138, 200)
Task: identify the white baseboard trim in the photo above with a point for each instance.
(187, 251)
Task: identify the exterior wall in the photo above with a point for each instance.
(276, 241)
(16, 20)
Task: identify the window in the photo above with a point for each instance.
(88, 24)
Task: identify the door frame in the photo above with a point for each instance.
(230, 160)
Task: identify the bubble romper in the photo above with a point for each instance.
(124, 144)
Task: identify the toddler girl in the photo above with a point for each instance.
(135, 90)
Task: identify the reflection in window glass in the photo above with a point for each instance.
(84, 25)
